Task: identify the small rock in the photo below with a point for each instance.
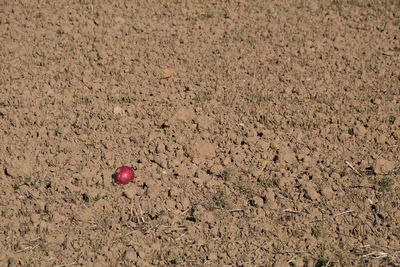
(35, 218)
(212, 256)
(227, 160)
(251, 132)
(100, 259)
(118, 111)
(217, 169)
(170, 204)
(40, 204)
(185, 203)
(381, 139)
(396, 122)
(376, 101)
(130, 255)
(57, 218)
(297, 134)
(119, 20)
(83, 215)
(204, 122)
(360, 130)
(256, 172)
(396, 134)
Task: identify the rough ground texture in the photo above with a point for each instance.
(261, 132)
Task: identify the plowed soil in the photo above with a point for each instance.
(261, 133)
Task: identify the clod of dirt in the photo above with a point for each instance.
(186, 170)
(396, 134)
(212, 256)
(383, 166)
(130, 255)
(19, 168)
(360, 130)
(327, 192)
(396, 122)
(311, 191)
(201, 150)
(161, 160)
(287, 155)
(257, 201)
(118, 111)
(281, 264)
(166, 73)
(130, 193)
(270, 199)
(217, 169)
(184, 114)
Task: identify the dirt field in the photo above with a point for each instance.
(260, 132)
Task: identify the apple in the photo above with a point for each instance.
(123, 175)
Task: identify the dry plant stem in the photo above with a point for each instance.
(233, 210)
(329, 261)
(354, 169)
(181, 236)
(343, 213)
(176, 227)
(291, 211)
(28, 248)
(131, 232)
(68, 264)
(376, 255)
(141, 213)
(334, 216)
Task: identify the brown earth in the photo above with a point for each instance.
(261, 132)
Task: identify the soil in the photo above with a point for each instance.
(261, 133)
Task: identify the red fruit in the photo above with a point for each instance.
(123, 175)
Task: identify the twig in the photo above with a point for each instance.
(343, 213)
(376, 255)
(137, 216)
(291, 211)
(329, 261)
(233, 210)
(131, 209)
(354, 169)
(131, 232)
(175, 226)
(183, 212)
(68, 264)
(181, 236)
(141, 212)
(362, 186)
(28, 248)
